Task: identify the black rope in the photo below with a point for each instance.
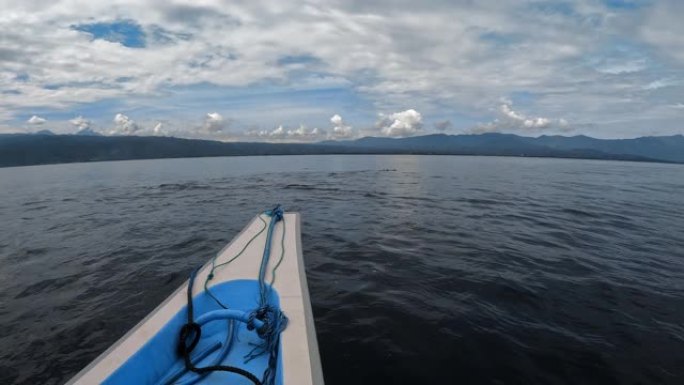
(192, 329)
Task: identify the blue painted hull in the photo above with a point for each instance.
(223, 342)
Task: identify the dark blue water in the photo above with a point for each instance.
(422, 270)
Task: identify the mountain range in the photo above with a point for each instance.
(45, 147)
(653, 148)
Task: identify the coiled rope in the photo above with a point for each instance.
(273, 319)
(193, 330)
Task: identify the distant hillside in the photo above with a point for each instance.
(669, 148)
(658, 148)
(31, 149)
(87, 131)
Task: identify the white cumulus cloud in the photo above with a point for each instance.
(340, 128)
(36, 120)
(399, 124)
(80, 122)
(301, 133)
(124, 125)
(512, 120)
(278, 132)
(214, 123)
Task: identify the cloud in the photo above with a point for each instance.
(279, 132)
(662, 28)
(68, 56)
(214, 117)
(123, 125)
(660, 83)
(80, 122)
(512, 120)
(301, 133)
(36, 120)
(214, 123)
(399, 124)
(340, 129)
(517, 118)
(443, 125)
(623, 67)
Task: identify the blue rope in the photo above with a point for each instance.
(276, 215)
(273, 318)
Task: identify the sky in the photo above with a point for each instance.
(320, 70)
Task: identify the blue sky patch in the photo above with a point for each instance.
(523, 98)
(625, 4)
(554, 8)
(298, 59)
(500, 39)
(76, 85)
(126, 32)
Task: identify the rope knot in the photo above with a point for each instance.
(188, 330)
(250, 320)
(276, 212)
